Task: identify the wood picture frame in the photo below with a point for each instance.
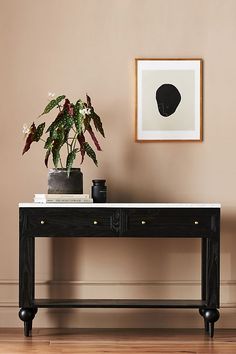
(168, 100)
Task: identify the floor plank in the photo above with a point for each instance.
(117, 341)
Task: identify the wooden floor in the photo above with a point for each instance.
(117, 341)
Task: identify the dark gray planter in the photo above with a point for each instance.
(60, 183)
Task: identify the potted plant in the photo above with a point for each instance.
(74, 122)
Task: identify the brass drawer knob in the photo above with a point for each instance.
(42, 222)
(196, 222)
(143, 222)
(95, 222)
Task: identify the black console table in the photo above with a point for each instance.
(121, 220)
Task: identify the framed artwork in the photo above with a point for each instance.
(168, 100)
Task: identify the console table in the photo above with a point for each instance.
(121, 220)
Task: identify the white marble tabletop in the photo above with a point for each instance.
(119, 205)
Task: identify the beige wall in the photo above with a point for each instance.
(80, 46)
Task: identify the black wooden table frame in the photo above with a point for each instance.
(124, 220)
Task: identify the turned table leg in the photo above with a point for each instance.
(210, 317)
(27, 315)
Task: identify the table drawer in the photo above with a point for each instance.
(93, 222)
(167, 223)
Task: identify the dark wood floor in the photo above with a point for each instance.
(117, 341)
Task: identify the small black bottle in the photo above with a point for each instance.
(99, 191)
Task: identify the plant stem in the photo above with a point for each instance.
(67, 146)
(74, 142)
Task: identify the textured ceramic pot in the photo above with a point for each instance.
(60, 183)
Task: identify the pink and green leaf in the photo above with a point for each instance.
(70, 159)
(68, 107)
(39, 132)
(29, 139)
(53, 103)
(78, 117)
(87, 121)
(90, 131)
(89, 104)
(81, 140)
(90, 152)
(49, 143)
(47, 157)
(55, 124)
(97, 123)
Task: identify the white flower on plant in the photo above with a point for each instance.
(85, 111)
(26, 129)
(51, 94)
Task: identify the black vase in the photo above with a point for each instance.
(99, 191)
(60, 183)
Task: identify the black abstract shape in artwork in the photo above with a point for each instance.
(168, 98)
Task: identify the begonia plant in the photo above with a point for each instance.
(74, 123)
